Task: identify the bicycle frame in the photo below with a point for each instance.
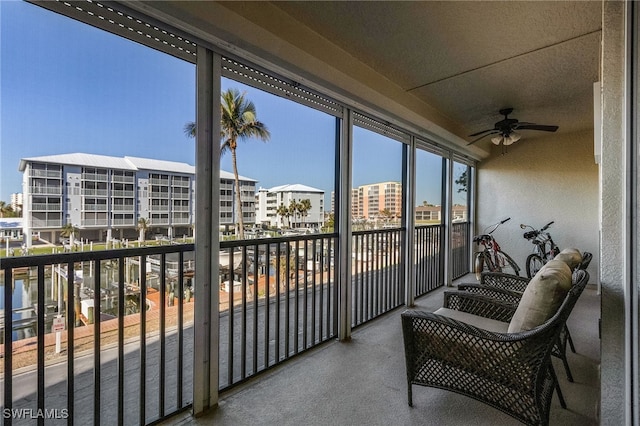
(492, 255)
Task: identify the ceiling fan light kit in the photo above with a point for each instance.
(506, 129)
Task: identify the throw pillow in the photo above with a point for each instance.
(542, 297)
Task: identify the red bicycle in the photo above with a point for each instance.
(492, 258)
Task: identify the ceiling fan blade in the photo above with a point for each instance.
(532, 126)
(479, 133)
(493, 132)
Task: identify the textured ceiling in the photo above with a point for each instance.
(470, 59)
(455, 64)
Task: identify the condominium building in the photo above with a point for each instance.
(269, 200)
(105, 197)
(367, 201)
(16, 201)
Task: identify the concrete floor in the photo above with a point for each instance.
(363, 382)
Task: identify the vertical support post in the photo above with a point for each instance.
(448, 221)
(344, 168)
(408, 220)
(472, 186)
(207, 244)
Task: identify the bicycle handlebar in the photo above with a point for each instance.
(508, 219)
(544, 228)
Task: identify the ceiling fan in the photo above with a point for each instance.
(506, 129)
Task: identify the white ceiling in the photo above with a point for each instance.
(470, 59)
(455, 63)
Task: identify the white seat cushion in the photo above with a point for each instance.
(475, 320)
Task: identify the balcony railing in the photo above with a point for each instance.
(122, 193)
(95, 207)
(46, 207)
(158, 194)
(428, 258)
(278, 298)
(123, 221)
(49, 223)
(94, 222)
(122, 179)
(461, 251)
(116, 354)
(100, 177)
(50, 190)
(378, 282)
(45, 173)
(95, 192)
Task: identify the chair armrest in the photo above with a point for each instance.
(505, 281)
(478, 304)
(493, 292)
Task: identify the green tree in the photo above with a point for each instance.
(303, 207)
(238, 122)
(6, 210)
(462, 181)
(143, 225)
(69, 231)
(293, 211)
(284, 212)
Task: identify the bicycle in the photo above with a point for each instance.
(544, 248)
(492, 257)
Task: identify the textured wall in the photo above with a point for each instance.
(614, 375)
(549, 178)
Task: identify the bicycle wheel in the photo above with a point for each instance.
(479, 264)
(534, 263)
(506, 264)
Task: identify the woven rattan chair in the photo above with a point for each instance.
(509, 371)
(509, 288)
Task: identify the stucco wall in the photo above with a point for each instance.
(614, 375)
(553, 178)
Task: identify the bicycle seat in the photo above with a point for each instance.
(480, 238)
(531, 235)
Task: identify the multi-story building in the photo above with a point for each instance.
(367, 201)
(269, 200)
(105, 197)
(16, 202)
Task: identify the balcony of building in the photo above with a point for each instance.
(563, 177)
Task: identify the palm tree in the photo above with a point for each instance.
(69, 231)
(303, 207)
(143, 224)
(238, 122)
(3, 208)
(284, 212)
(293, 210)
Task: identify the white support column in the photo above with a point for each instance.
(207, 244)
(409, 223)
(344, 225)
(448, 220)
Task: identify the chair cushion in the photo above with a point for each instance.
(475, 320)
(571, 257)
(542, 297)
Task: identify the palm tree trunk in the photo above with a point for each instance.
(240, 222)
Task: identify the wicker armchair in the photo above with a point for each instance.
(509, 288)
(509, 371)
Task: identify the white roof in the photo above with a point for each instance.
(10, 222)
(295, 187)
(121, 163)
(81, 159)
(168, 166)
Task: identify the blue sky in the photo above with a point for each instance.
(66, 87)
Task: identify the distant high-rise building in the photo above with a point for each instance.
(367, 201)
(105, 197)
(16, 201)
